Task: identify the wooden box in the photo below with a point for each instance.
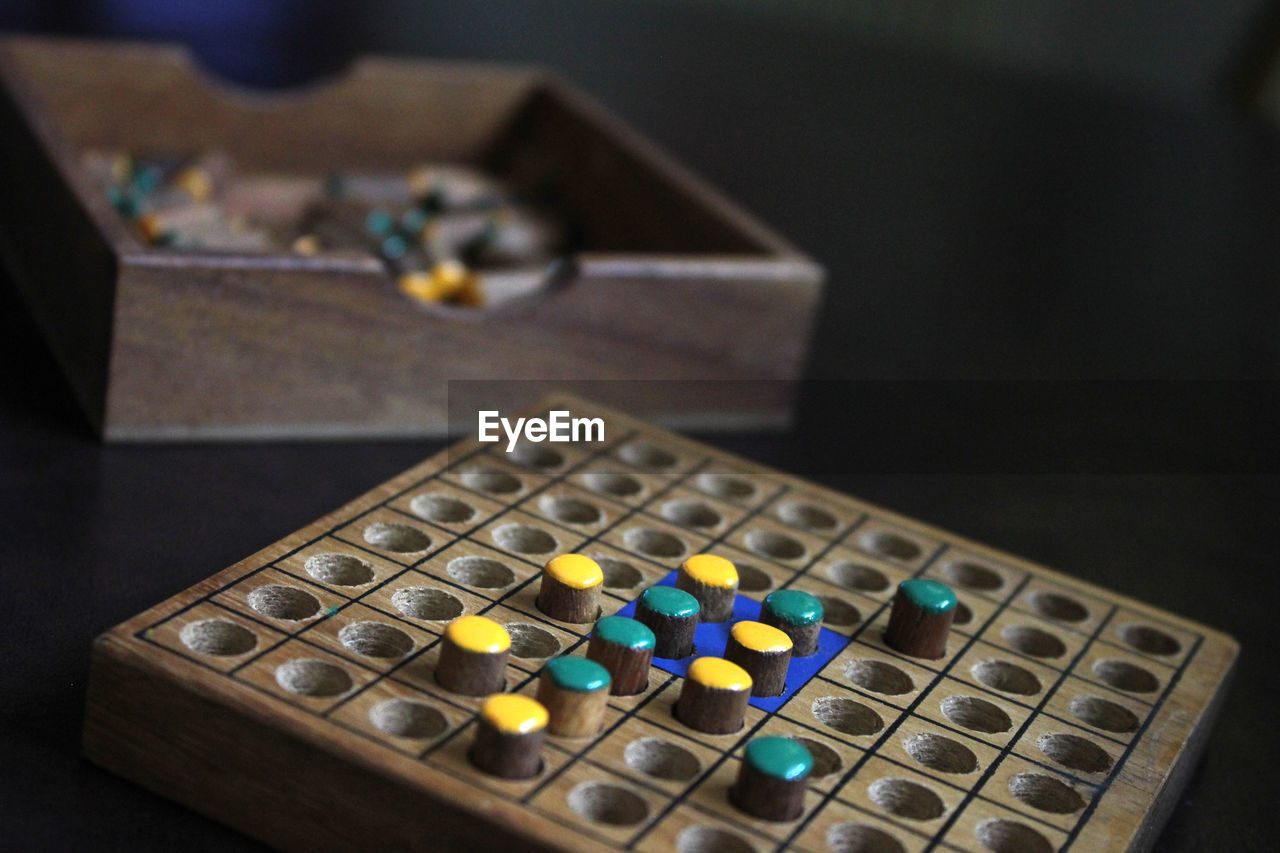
(667, 279)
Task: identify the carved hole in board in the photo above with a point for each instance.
(394, 536)
(963, 615)
(569, 510)
(859, 576)
(941, 753)
(1074, 752)
(611, 804)
(309, 677)
(838, 612)
(845, 715)
(524, 539)
(481, 572)
(879, 677)
(530, 641)
(655, 543)
(1054, 606)
(218, 637)
(972, 576)
(753, 579)
(1126, 676)
(1006, 677)
(612, 483)
(1009, 836)
(284, 602)
(689, 513)
(643, 455)
(1045, 793)
(1033, 641)
(778, 546)
(442, 509)
(860, 838)
(427, 603)
(806, 516)
(661, 759)
(703, 838)
(976, 714)
(339, 569)
(495, 481)
(375, 640)
(904, 798)
(533, 455)
(1104, 714)
(618, 574)
(408, 718)
(890, 545)
(826, 761)
(1144, 638)
(725, 486)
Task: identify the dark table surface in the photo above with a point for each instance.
(977, 225)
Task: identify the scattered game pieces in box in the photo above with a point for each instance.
(644, 643)
(446, 232)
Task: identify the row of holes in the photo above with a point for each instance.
(850, 574)
(375, 639)
(997, 835)
(435, 604)
(965, 574)
(606, 803)
(970, 712)
(665, 760)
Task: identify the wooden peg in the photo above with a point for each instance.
(509, 733)
(625, 648)
(575, 692)
(798, 615)
(764, 652)
(570, 588)
(714, 697)
(672, 615)
(473, 656)
(713, 581)
(772, 779)
(920, 618)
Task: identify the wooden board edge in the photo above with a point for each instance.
(1182, 770)
(155, 731)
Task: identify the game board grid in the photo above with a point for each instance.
(960, 782)
(1117, 764)
(751, 731)
(550, 779)
(889, 713)
(966, 688)
(342, 523)
(516, 588)
(892, 727)
(633, 711)
(1168, 685)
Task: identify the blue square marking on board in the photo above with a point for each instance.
(711, 638)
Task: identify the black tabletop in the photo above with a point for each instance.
(980, 227)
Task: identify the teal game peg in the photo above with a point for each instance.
(920, 618)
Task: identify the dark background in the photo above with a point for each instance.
(1040, 191)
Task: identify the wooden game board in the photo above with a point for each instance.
(1062, 716)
